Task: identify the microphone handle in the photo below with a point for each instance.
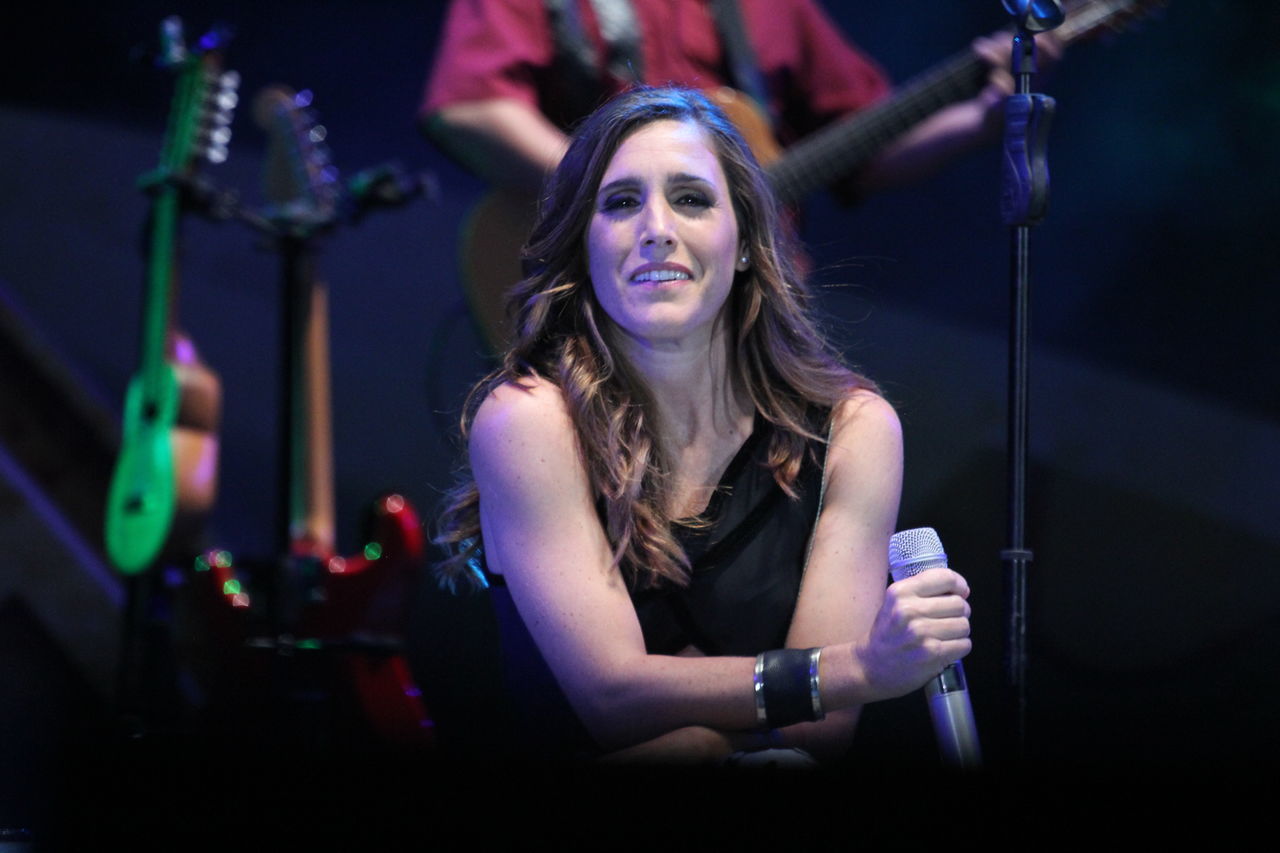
(953, 722)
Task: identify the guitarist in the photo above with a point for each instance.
(511, 76)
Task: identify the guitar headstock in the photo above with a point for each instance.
(204, 100)
(1090, 18)
(300, 182)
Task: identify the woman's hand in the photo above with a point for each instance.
(920, 629)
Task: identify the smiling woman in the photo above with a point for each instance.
(681, 496)
(663, 244)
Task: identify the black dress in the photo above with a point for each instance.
(747, 564)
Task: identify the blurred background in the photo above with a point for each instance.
(1155, 477)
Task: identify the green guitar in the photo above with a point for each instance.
(167, 460)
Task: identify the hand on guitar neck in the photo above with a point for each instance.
(957, 128)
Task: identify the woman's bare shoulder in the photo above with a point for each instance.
(526, 401)
(865, 454)
(523, 425)
(863, 415)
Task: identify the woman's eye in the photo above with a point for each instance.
(618, 202)
(693, 199)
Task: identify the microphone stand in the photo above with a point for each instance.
(1024, 201)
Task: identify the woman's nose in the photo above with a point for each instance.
(656, 227)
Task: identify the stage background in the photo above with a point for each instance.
(1154, 470)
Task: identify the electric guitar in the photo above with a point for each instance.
(166, 474)
(496, 228)
(352, 605)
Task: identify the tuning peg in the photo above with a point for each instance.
(173, 48)
(226, 100)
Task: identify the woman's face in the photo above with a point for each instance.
(663, 243)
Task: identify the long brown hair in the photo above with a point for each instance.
(779, 356)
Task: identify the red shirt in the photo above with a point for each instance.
(505, 49)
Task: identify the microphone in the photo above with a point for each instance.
(912, 552)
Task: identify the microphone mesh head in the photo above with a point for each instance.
(913, 551)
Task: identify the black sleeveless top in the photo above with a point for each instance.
(747, 563)
(746, 566)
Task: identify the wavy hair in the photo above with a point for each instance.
(778, 355)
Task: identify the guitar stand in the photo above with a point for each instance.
(1024, 201)
(197, 194)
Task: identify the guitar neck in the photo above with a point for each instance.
(312, 517)
(844, 147)
(162, 282)
(176, 161)
(301, 187)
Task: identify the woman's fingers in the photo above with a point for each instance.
(931, 582)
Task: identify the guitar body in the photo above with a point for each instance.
(143, 497)
(347, 634)
(165, 480)
(365, 592)
(751, 121)
(489, 260)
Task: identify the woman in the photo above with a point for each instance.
(675, 477)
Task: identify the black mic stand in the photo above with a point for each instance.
(1023, 203)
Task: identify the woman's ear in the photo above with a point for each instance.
(744, 260)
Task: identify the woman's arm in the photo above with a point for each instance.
(541, 532)
(847, 571)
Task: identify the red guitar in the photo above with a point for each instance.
(348, 607)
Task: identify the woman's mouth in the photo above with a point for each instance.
(660, 274)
